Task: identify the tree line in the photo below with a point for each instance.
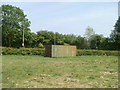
(14, 23)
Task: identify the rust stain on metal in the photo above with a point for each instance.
(60, 50)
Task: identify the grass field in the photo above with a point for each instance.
(67, 72)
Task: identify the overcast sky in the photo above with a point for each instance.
(70, 17)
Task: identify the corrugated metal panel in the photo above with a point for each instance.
(60, 50)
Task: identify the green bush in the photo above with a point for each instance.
(23, 51)
(97, 52)
(41, 51)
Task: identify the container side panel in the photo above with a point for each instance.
(62, 51)
(48, 51)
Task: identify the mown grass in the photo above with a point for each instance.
(67, 72)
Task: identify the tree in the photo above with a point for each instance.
(106, 44)
(14, 21)
(45, 37)
(34, 40)
(58, 39)
(70, 39)
(79, 42)
(95, 41)
(88, 33)
(115, 35)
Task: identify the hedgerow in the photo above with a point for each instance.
(97, 52)
(23, 51)
(41, 51)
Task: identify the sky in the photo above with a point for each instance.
(70, 17)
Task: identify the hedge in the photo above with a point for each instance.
(23, 51)
(41, 51)
(97, 52)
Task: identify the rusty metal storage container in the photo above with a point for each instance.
(60, 50)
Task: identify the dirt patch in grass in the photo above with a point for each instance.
(48, 81)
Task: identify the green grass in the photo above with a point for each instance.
(67, 72)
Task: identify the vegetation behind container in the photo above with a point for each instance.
(60, 50)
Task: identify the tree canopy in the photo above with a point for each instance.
(14, 21)
(115, 35)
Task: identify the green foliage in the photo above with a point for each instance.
(23, 51)
(115, 35)
(97, 52)
(45, 37)
(95, 41)
(89, 32)
(41, 51)
(70, 39)
(80, 42)
(40, 45)
(14, 21)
